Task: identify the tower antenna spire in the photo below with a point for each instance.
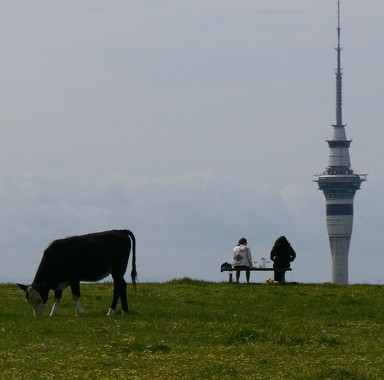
(338, 20)
(339, 102)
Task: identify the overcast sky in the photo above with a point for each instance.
(190, 122)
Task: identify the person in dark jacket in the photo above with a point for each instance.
(282, 254)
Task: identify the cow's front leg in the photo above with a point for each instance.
(56, 304)
(75, 289)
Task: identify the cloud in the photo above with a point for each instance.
(186, 225)
(180, 221)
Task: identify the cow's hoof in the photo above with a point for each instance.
(111, 312)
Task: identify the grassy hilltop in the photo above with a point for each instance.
(188, 329)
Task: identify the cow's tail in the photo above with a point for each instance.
(133, 271)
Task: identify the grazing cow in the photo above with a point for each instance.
(89, 257)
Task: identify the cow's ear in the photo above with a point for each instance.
(23, 287)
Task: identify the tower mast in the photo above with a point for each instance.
(339, 183)
(339, 113)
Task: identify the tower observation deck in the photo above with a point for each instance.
(339, 184)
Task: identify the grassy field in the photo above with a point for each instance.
(188, 329)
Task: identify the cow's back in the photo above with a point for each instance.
(88, 257)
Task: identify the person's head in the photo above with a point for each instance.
(282, 240)
(243, 241)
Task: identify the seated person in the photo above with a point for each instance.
(242, 259)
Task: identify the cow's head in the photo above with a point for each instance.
(35, 299)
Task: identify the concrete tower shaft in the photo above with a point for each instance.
(339, 249)
(339, 183)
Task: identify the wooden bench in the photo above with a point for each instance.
(254, 269)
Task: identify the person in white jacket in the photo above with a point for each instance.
(242, 259)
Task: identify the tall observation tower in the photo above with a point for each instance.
(339, 183)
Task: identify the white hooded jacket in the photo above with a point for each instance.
(242, 256)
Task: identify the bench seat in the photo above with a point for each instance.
(254, 269)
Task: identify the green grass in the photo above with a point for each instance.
(188, 329)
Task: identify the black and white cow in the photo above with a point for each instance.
(89, 257)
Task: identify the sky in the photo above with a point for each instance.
(192, 123)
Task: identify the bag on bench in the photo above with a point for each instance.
(226, 266)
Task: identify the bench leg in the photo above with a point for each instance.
(230, 277)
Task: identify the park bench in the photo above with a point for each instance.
(254, 269)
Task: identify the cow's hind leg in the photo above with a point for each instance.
(119, 291)
(75, 289)
(123, 296)
(56, 304)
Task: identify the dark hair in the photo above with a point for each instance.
(282, 240)
(243, 241)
